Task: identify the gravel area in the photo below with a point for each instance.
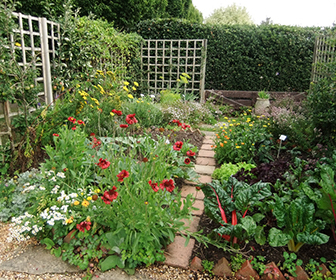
(10, 248)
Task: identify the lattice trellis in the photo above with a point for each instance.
(35, 42)
(164, 61)
(324, 56)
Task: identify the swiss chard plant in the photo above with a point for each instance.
(236, 198)
(296, 223)
(325, 197)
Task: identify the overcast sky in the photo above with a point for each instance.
(284, 12)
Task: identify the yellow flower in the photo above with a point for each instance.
(85, 203)
(88, 219)
(68, 221)
(97, 191)
(250, 124)
(89, 198)
(134, 88)
(125, 88)
(130, 96)
(62, 88)
(111, 114)
(233, 120)
(136, 84)
(77, 86)
(17, 44)
(76, 203)
(126, 83)
(226, 118)
(264, 125)
(138, 101)
(231, 124)
(237, 147)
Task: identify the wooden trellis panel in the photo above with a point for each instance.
(165, 60)
(324, 56)
(35, 42)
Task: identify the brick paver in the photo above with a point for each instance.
(177, 255)
(191, 224)
(205, 153)
(205, 161)
(188, 190)
(207, 147)
(204, 169)
(208, 141)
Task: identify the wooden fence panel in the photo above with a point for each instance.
(36, 41)
(165, 60)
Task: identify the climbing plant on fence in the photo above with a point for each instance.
(163, 61)
(270, 57)
(26, 46)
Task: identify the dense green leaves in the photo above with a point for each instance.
(297, 218)
(241, 57)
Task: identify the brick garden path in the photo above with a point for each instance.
(177, 254)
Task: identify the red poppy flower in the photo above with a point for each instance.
(167, 184)
(145, 159)
(184, 126)
(130, 119)
(177, 122)
(103, 163)
(74, 128)
(80, 122)
(55, 134)
(123, 125)
(92, 134)
(71, 119)
(119, 113)
(84, 226)
(153, 185)
(96, 143)
(187, 161)
(123, 174)
(178, 146)
(190, 153)
(110, 195)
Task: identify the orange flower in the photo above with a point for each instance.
(221, 144)
(225, 142)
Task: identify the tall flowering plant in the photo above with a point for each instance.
(107, 199)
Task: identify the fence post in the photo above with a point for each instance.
(202, 82)
(46, 61)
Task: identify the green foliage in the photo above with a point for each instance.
(299, 226)
(227, 169)
(263, 94)
(147, 113)
(168, 97)
(321, 103)
(243, 139)
(236, 262)
(123, 14)
(290, 263)
(258, 263)
(230, 15)
(208, 266)
(273, 57)
(236, 198)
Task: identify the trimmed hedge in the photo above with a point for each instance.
(244, 57)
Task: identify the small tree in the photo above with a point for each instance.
(230, 15)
